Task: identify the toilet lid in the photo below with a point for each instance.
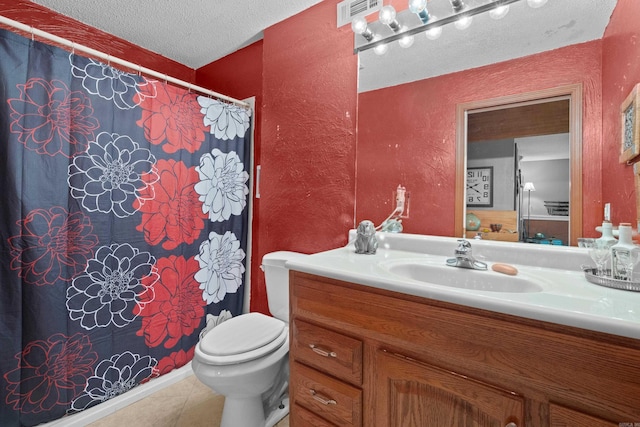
(243, 338)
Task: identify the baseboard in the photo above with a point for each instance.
(107, 408)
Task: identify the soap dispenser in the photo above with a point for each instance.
(623, 254)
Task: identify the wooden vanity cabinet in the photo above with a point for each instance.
(362, 356)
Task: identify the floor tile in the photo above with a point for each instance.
(187, 403)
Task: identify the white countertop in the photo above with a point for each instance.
(566, 297)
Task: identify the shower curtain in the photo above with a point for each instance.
(123, 224)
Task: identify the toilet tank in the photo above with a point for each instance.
(276, 277)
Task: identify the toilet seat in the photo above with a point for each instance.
(243, 338)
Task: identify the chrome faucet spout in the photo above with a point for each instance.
(464, 257)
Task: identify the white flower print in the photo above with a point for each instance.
(112, 174)
(213, 321)
(113, 377)
(112, 286)
(226, 120)
(222, 187)
(221, 266)
(111, 84)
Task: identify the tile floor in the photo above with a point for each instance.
(187, 403)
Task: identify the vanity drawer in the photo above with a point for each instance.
(330, 399)
(328, 351)
(301, 417)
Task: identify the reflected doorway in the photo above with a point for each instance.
(527, 148)
(532, 121)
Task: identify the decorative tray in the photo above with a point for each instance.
(609, 282)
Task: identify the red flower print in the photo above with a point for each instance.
(50, 373)
(175, 215)
(173, 115)
(54, 245)
(173, 361)
(177, 308)
(48, 117)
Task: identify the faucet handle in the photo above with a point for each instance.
(464, 246)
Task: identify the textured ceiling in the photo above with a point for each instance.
(192, 32)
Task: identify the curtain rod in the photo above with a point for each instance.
(96, 53)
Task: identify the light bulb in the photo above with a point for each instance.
(536, 3)
(499, 12)
(406, 41)
(387, 15)
(359, 25)
(381, 49)
(419, 7)
(433, 33)
(463, 22)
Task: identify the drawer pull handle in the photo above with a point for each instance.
(322, 352)
(322, 399)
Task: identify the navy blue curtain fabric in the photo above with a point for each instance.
(123, 223)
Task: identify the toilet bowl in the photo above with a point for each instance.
(246, 357)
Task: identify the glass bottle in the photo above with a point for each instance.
(623, 254)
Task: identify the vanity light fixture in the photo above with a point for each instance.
(401, 26)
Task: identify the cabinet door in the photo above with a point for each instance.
(560, 416)
(410, 393)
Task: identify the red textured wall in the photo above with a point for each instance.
(406, 134)
(239, 75)
(44, 19)
(620, 73)
(308, 135)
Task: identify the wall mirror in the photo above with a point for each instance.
(523, 138)
(429, 91)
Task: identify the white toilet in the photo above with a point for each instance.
(245, 358)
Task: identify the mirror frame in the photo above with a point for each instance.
(574, 93)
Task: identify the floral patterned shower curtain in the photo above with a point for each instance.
(123, 223)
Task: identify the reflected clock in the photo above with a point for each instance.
(480, 187)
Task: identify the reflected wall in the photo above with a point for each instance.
(406, 133)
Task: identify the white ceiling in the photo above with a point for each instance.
(197, 32)
(191, 32)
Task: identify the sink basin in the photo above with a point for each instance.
(463, 278)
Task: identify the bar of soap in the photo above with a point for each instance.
(505, 269)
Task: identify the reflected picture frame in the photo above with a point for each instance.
(630, 122)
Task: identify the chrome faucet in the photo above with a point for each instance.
(464, 257)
